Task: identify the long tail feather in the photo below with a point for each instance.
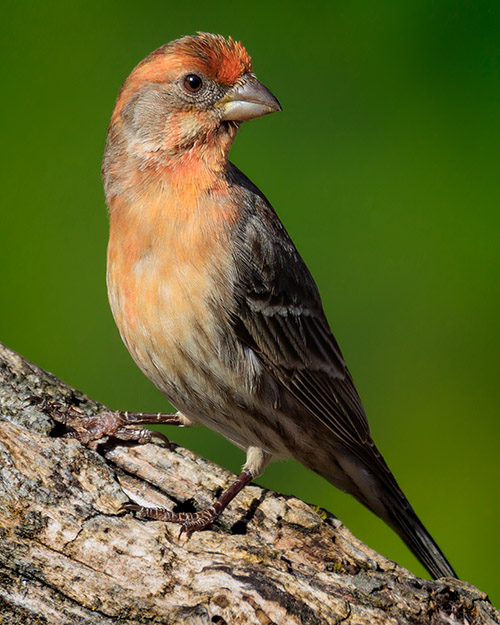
(404, 521)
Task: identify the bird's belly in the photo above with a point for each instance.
(175, 323)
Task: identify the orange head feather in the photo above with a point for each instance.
(223, 60)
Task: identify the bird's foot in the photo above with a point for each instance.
(189, 521)
(193, 521)
(96, 429)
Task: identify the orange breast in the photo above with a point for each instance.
(167, 264)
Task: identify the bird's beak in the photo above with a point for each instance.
(248, 100)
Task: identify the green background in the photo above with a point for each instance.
(384, 168)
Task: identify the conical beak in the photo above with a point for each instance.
(248, 100)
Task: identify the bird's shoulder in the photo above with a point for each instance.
(266, 253)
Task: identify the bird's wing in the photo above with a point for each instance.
(278, 313)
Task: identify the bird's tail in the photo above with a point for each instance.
(403, 520)
(379, 491)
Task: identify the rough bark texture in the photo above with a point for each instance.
(69, 556)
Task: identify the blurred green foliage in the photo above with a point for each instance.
(384, 168)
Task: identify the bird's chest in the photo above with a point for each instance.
(169, 286)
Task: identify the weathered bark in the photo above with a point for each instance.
(68, 555)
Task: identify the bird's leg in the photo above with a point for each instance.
(194, 521)
(93, 430)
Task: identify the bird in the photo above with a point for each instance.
(211, 297)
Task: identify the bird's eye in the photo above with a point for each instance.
(193, 83)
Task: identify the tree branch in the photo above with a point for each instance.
(68, 555)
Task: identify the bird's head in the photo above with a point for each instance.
(190, 93)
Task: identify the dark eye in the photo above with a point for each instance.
(193, 83)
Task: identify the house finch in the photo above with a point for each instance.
(211, 297)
